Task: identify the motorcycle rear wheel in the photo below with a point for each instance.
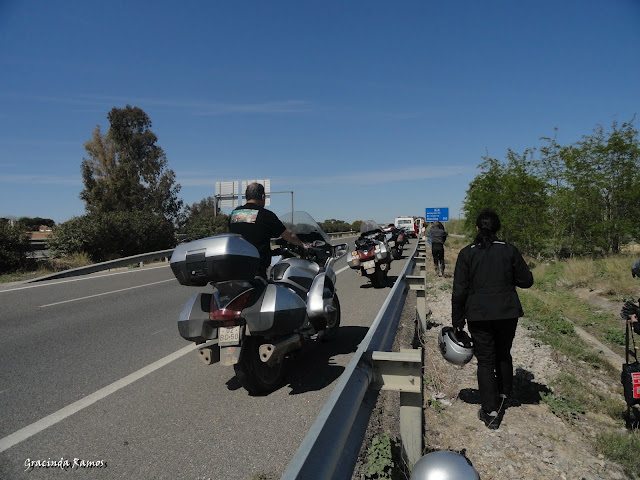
(331, 332)
(253, 374)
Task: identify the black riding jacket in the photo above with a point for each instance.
(485, 281)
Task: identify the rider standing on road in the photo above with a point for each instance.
(258, 225)
(484, 293)
(438, 236)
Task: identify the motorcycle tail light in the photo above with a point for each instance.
(365, 255)
(229, 315)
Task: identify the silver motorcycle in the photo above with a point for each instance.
(252, 323)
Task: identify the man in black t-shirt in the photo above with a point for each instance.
(258, 225)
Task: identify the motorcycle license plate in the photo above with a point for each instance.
(228, 335)
(369, 264)
(392, 243)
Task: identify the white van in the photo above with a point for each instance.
(409, 223)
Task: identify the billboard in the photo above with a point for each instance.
(231, 194)
(440, 213)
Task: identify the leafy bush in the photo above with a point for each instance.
(202, 226)
(112, 235)
(14, 247)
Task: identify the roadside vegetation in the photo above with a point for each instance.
(587, 384)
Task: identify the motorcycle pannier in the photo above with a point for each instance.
(215, 259)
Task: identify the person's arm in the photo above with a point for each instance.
(292, 238)
(522, 276)
(461, 284)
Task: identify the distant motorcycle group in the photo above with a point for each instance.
(375, 249)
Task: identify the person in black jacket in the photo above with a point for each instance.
(438, 236)
(258, 225)
(484, 294)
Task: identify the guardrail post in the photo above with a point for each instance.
(419, 284)
(421, 263)
(402, 372)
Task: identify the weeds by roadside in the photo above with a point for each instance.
(589, 385)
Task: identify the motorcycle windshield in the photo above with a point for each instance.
(369, 226)
(304, 226)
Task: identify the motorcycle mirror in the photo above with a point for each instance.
(319, 243)
(340, 250)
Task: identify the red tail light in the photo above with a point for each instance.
(364, 256)
(229, 315)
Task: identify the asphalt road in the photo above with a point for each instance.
(93, 369)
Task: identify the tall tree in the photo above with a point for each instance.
(516, 194)
(126, 170)
(611, 162)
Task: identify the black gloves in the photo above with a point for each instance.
(459, 323)
(628, 309)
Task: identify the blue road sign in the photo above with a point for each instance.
(440, 214)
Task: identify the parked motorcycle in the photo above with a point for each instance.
(251, 323)
(372, 256)
(395, 240)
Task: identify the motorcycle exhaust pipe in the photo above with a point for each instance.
(273, 352)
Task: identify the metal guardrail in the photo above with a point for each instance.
(331, 447)
(98, 267)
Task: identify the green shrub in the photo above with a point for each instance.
(112, 235)
(379, 458)
(14, 248)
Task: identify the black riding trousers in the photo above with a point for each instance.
(492, 341)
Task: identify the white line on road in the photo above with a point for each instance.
(38, 285)
(36, 427)
(106, 293)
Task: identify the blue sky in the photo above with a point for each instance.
(365, 109)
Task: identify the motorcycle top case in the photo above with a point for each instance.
(215, 259)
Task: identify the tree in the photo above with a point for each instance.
(581, 199)
(14, 248)
(332, 225)
(201, 220)
(32, 224)
(607, 170)
(130, 195)
(518, 196)
(112, 235)
(126, 171)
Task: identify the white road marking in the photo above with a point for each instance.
(342, 269)
(106, 293)
(159, 331)
(36, 427)
(79, 279)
